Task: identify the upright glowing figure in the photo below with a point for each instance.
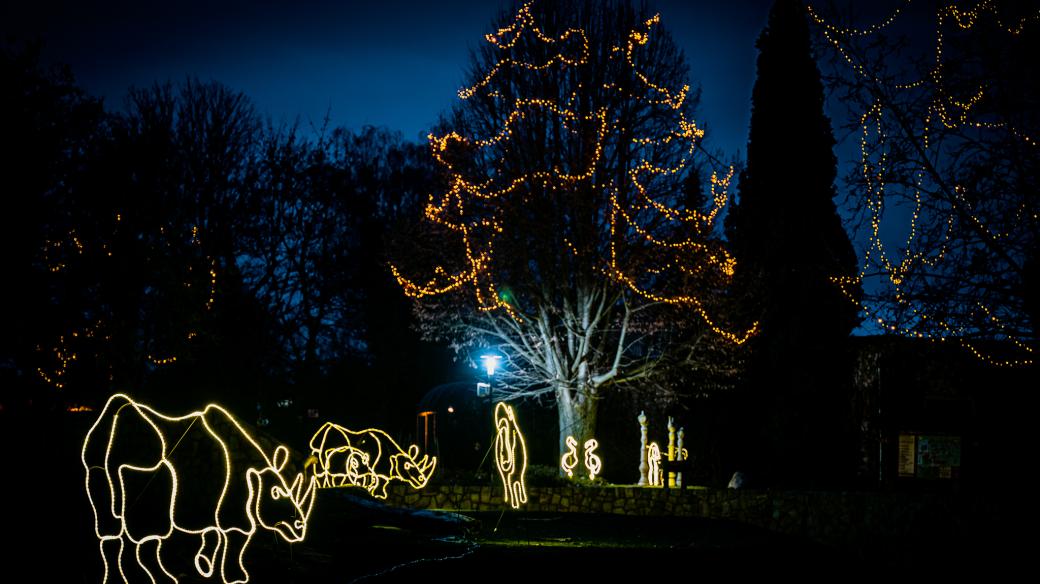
(570, 459)
(592, 462)
(654, 458)
(369, 459)
(149, 475)
(510, 455)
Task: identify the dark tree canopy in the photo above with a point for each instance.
(790, 247)
(945, 101)
(180, 250)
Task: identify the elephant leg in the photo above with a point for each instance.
(233, 566)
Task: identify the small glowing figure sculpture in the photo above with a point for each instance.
(149, 475)
(510, 455)
(570, 459)
(592, 461)
(654, 458)
(369, 459)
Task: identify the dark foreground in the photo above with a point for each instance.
(49, 537)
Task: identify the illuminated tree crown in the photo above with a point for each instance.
(570, 147)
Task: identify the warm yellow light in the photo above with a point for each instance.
(368, 458)
(654, 459)
(510, 455)
(570, 459)
(222, 540)
(592, 461)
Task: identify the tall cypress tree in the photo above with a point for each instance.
(789, 242)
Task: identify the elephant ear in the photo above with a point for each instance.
(281, 457)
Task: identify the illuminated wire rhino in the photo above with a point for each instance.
(369, 459)
(150, 476)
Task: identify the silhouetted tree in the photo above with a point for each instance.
(790, 247)
(314, 255)
(50, 128)
(563, 237)
(297, 256)
(143, 264)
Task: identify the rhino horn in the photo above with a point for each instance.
(426, 466)
(306, 502)
(297, 485)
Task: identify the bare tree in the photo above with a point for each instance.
(568, 236)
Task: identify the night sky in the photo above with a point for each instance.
(396, 63)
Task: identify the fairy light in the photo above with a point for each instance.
(653, 458)
(593, 463)
(944, 112)
(370, 459)
(263, 482)
(570, 458)
(510, 455)
(212, 286)
(64, 354)
(476, 232)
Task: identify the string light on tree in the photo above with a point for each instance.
(956, 115)
(114, 484)
(471, 208)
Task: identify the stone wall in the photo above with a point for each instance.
(832, 517)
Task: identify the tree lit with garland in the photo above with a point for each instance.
(572, 234)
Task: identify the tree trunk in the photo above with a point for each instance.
(577, 415)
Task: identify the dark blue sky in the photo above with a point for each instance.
(396, 63)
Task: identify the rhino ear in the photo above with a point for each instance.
(281, 456)
(413, 451)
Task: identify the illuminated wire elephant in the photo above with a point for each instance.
(204, 476)
(369, 459)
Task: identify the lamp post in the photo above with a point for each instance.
(490, 362)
